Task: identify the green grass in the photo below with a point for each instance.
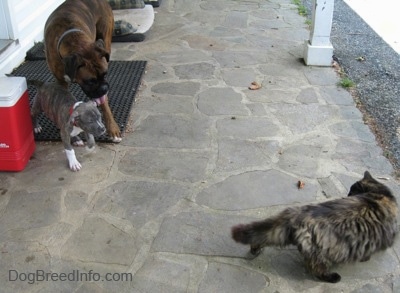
(300, 7)
(346, 82)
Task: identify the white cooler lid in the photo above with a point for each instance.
(11, 89)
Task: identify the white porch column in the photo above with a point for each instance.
(318, 50)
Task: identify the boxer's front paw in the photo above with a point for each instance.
(114, 132)
(74, 164)
(116, 139)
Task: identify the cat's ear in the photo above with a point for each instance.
(356, 188)
(367, 175)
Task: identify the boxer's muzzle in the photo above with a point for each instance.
(95, 89)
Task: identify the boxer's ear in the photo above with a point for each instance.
(100, 47)
(71, 65)
(100, 43)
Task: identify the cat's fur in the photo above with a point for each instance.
(336, 231)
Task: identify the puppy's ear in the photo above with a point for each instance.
(71, 65)
(73, 118)
(100, 47)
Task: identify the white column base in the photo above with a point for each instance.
(318, 55)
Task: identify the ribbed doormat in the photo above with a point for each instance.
(124, 78)
(155, 3)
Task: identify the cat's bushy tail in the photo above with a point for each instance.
(275, 231)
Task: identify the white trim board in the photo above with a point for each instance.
(382, 16)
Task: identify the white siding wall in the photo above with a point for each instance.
(27, 19)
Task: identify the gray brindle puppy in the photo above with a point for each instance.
(70, 116)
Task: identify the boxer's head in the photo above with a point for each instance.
(88, 67)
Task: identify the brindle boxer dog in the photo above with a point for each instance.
(77, 39)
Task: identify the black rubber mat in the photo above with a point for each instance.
(123, 76)
(36, 52)
(155, 3)
(135, 37)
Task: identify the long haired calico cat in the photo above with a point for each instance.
(333, 232)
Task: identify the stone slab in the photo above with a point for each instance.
(230, 278)
(199, 233)
(186, 88)
(272, 96)
(179, 57)
(336, 96)
(139, 201)
(303, 118)
(27, 210)
(190, 167)
(166, 104)
(304, 165)
(200, 71)
(221, 101)
(307, 96)
(321, 76)
(111, 246)
(171, 131)
(268, 188)
(161, 276)
(236, 19)
(239, 59)
(243, 128)
(353, 129)
(51, 155)
(236, 154)
(239, 77)
(19, 263)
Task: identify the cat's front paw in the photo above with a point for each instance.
(255, 251)
(331, 278)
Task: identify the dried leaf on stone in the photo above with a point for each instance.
(300, 184)
(255, 86)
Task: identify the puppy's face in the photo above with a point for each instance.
(89, 119)
(89, 69)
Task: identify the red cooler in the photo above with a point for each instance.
(17, 143)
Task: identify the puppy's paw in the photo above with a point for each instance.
(89, 149)
(37, 129)
(77, 141)
(74, 164)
